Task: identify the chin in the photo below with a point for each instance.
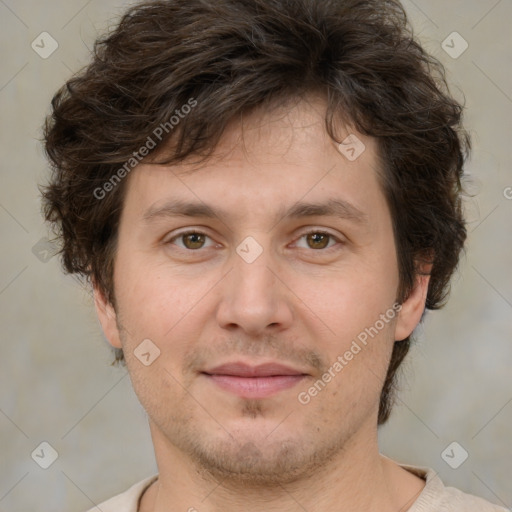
(260, 457)
(250, 463)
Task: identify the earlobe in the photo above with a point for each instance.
(412, 308)
(107, 317)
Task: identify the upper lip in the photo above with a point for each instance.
(239, 369)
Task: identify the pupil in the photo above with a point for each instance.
(319, 240)
(194, 240)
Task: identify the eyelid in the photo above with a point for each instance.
(322, 231)
(187, 231)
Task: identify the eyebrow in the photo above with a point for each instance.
(332, 207)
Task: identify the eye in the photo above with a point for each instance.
(195, 240)
(318, 240)
(190, 240)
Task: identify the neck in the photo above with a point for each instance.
(356, 479)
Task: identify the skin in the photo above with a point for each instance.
(298, 303)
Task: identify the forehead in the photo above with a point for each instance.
(268, 160)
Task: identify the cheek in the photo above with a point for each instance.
(160, 304)
(348, 301)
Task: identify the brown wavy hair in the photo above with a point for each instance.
(234, 56)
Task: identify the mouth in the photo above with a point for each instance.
(259, 381)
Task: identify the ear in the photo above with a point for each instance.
(107, 317)
(412, 308)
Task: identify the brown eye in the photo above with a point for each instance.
(317, 240)
(193, 240)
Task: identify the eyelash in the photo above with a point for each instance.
(305, 234)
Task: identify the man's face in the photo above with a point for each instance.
(243, 335)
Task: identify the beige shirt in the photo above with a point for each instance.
(435, 497)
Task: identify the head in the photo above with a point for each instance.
(229, 119)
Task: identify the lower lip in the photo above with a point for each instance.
(255, 387)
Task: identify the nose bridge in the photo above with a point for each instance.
(254, 280)
(251, 261)
(252, 297)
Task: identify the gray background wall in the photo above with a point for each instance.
(56, 384)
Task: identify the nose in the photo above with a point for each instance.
(254, 299)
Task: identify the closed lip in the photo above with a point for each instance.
(254, 381)
(241, 369)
